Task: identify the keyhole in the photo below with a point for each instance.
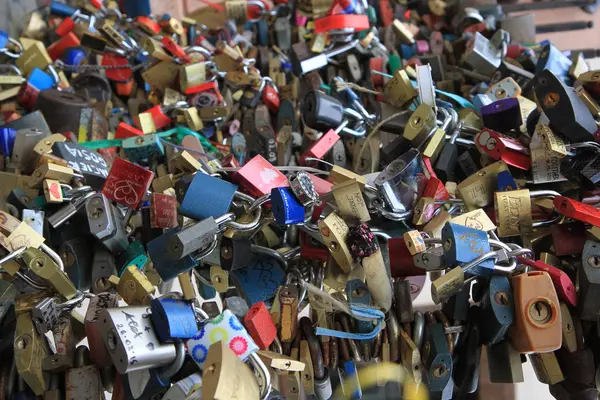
(540, 312)
(594, 261)
(440, 371)
(569, 327)
(501, 298)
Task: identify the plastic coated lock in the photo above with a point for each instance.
(287, 210)
(260, 325)
(173, 319)
(222, 193)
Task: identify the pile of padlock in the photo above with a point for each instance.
(245, 203)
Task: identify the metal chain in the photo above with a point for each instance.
(72, 67)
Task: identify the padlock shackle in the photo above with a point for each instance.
(265, 374)
(270, 253)
(170, 370)
(418, 329)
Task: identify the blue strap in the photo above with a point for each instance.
(357, 311)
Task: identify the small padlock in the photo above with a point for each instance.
(84, 379)
(497, 310)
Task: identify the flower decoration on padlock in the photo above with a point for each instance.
(227, 328)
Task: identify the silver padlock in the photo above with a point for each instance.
(131, 341)
(83, 381)
(301, 67)
(430, 260)
(482, 55)
(103, 266)
(106, 223)
(23, 155)
(68, 211)
(45, 315)
(195, 237)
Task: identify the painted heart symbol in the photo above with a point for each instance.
(325, 231)
(55, 191)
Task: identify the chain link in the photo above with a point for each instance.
(72, 67)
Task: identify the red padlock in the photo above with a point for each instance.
(125, 131)
(387, 13)
(271, 98)
(97, 3)
(57, 49)
(401, 261)
(311, 249)
(435, 189)
(159, 117)
(376, 64)
(320, 147)
(124, 88)
(127, 183)
(258, 177)
(116, 74)
(565, 289)
(163, 211)
(174, 48)
(321, 185)
(568, 239)
(359, 22)
(260, 325)
(148, 25)
(577, 210)
(66, 26)
(502, 147)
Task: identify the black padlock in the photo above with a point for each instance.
(445, 165)
(468, 357)
(76, 255)
(92, 85)
(322, 112)
(61, 109)
(572, 167)
(235, 254)
(565, 110)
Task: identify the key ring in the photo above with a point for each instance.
(11, 54)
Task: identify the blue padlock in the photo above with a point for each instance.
(140, 148)
(554, 60)
(206, 291)
(506, 182)
(40, 80)
(3, 39)
(61, 9)
(463, 244)
(439, 361)
(407, 51)
(207, 196)
(136, 8)
(7, 141)
(74, 56)
(260, 280)
(287, 210)
(498, 310)
(173, 319)
(165, 266)
(358, 294)
(238, 147)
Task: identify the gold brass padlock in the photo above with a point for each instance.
(513, 213)
(349, 199)
(192, 75)
(192, 119)
(219, 278)
(399, 90)
(334, 232)
(477, 191)
(134, 287)
(45, 267)
(422, 121)
(30, 350)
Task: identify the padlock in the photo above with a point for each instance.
(402, 181)
(504, 363)
(537, 326)
(258, 177)
(84, 379)
(577, 210)
(463, 244)
(194, 237)
(190, 206)
(45, 315)
(478, 189)
(46, 268)
(286, 208)
(503, 115)
(288, 299)
(89, 163)
(146, 147)
(566, 111)
(260, 325)
(106, 223)
(22, 151)
(127, 183)
(546, 368)
(131, 341)
(98, 353)
(334, 232)
(437, 358)
(30, 349)
(497, 311)
(173, 319)
(134, 287)
(588, 278)
(421, 123)
(501, 147)
(321, 147)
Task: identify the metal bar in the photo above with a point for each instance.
(546, 5)
(564, 26)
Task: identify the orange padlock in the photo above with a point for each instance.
(537, 327)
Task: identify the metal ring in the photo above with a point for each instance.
(10, 53)
(170, 370)
(238, 226)
(30, 281)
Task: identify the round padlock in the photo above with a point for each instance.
(61, 109)
(92, 85)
